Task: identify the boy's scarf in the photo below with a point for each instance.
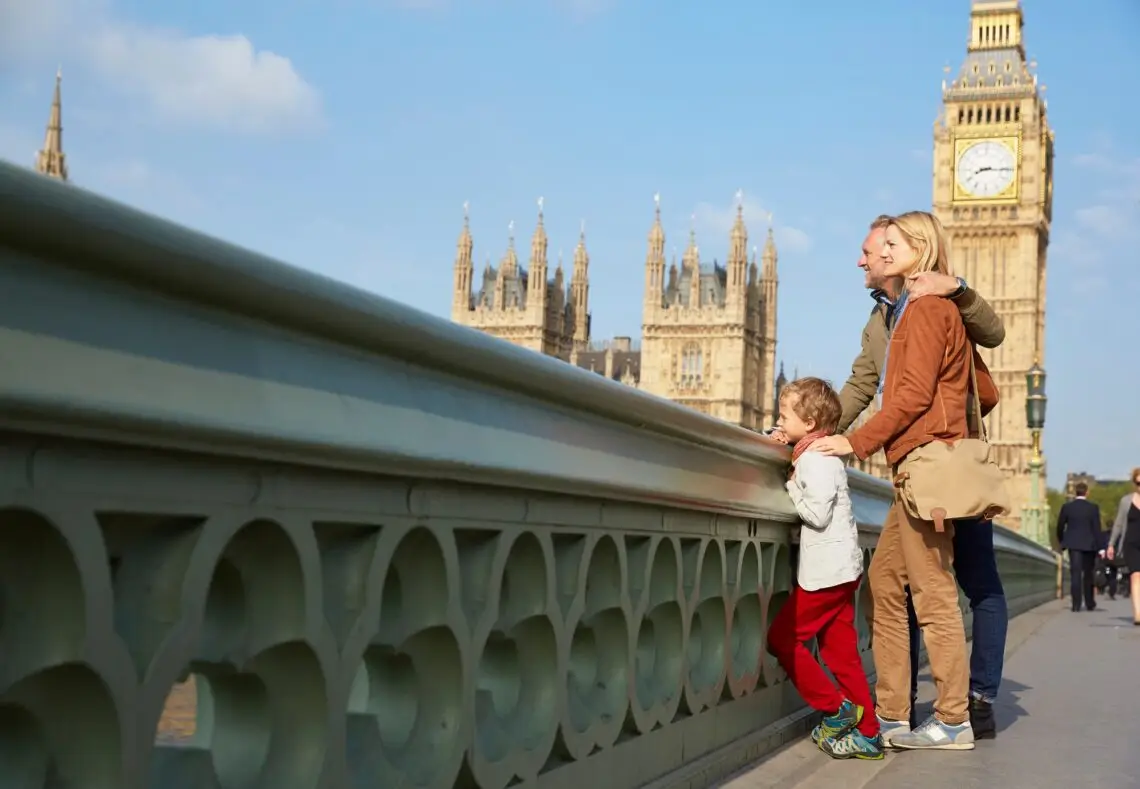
(805, 442)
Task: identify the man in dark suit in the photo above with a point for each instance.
(1078, 531)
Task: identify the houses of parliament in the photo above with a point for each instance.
(709, 330)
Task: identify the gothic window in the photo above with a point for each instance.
(975, 68)
(692, 364)
(1008, 66)
(992, 68)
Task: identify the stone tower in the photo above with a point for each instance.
(993, 190)
(524, 306)
(50, 160)
(709, 331)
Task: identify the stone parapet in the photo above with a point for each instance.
(260, 529)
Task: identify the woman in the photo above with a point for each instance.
(1125, 540)
(924, 387)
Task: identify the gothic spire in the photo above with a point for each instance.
(738, 251)
(692, 257)
(509, 266)
(51, 160)
(538, 241)
(768, 259)
(580, 292)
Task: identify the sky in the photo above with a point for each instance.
(344, 136)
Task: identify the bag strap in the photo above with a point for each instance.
(976, 396)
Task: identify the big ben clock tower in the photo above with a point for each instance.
(993, 191)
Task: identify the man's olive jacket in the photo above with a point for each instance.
(983, 326)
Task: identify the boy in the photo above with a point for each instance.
(822, 603)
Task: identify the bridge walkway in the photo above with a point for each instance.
(1067, 717)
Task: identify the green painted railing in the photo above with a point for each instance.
(260, 529)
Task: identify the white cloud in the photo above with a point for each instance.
(1096, 233)
(578, 9)
(219, 81)
(717, 220)
(1107, 220)
(27, 27)
(582, 9)
(212, 81)
(1115, 214)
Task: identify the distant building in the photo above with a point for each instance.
(708, 331)
(1073, 478)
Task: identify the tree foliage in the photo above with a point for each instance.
(1106, 496)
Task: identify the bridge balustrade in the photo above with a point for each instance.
(261, 529)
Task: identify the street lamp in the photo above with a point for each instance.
(1037, 511)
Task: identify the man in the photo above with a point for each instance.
(1078, 532)
(975, 563)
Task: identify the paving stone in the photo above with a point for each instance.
(1066, 718)
(1066, 714)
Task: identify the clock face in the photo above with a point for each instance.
(986, 169)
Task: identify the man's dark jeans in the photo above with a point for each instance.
(975, 565)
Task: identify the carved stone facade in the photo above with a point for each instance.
(525, 306)
(993, 190)
(708, 331)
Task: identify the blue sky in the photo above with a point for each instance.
(345, 135)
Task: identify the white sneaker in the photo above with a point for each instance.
(888, 730)
(934, 735)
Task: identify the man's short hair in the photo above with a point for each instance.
(1081, 489)
(882, 220)
(815, 401)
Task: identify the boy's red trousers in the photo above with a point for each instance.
(828, 614)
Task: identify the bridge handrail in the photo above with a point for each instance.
(91, 232)
(677, 450)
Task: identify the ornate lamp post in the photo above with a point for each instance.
(1035, 515)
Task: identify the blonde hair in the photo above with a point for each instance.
(1136, 473)
(815, 401)
(925, 234)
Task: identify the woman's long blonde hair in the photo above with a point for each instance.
(925, 233)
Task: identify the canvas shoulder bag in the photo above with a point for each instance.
(941, 481)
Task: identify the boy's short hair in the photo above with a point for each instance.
(815, 400)
(1081, 489)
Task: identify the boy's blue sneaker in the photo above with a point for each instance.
(852, 745)
(843, 721)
